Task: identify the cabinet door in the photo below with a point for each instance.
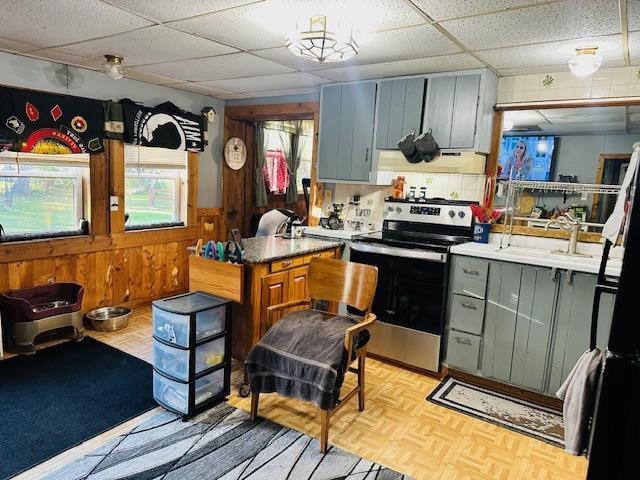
(413, 103)
(439, 109)
(358, 131)
(275, 289)
(533, 327)
(399, 110)
(329, 132)
(503, 295)
(298, 283)
(573, 323)
(465, 108)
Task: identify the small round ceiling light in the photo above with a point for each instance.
(586, 61)
(321, 40)
(113, 67)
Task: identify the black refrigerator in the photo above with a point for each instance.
(615, 432)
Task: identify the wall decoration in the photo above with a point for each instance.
(164, 126)
(46, 123)
(548, 81)
(235, 153)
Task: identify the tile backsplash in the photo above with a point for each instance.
(452, 186)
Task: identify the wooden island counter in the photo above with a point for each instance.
(275, 270)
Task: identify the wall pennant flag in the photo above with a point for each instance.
(164, 126)
(46, 123)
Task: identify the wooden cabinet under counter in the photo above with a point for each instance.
(275, 270)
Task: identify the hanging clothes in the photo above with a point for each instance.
(276, 171)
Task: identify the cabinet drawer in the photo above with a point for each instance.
(469, 276)
(286, 263)
(175, 361)
(175, 395)
(174, 328)
(466, 314)
(325, 254)
(463, 350)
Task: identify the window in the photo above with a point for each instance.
(42, 195)
(154, 187)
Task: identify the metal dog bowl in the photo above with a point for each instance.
(109, 319)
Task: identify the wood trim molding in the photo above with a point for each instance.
(192, 188)
(492, 160)
(210, 212)
(277, 111)
(99, 178)
(602, 158)
(116, 183)
(588, 102)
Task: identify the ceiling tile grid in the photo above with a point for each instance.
(268, 82)
(448, 9)
(168, 10)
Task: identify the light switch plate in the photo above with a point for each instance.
(114, 203)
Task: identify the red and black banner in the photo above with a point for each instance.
(47, 123)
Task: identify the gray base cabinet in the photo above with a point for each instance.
(529, 329)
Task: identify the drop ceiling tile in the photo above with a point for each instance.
(201, 88)
(442, 9)
(634, 47)
(291, 91)
(444, 63)
(556, 21)
(403, 44)
(13, 46)
(547, 69)
(555, 53)
(149, 45)
(47, 24)
(268, 82)
(266, 25)
(66, 58)
(633, 14)
(283, 56)
(167, 10)
(137, 74)
(217, 68)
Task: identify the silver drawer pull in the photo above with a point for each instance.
(471, 271)
(463, 341)
(468, 305)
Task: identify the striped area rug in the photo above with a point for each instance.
(222, 443)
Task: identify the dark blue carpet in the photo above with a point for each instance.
(65, 395)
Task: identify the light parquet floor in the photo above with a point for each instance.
(398, 427)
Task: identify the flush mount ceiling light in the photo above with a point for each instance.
(113, 67)
(586, 61)
(316, 38)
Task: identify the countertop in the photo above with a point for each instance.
(266, 249)
(345, 234)
(538, 251)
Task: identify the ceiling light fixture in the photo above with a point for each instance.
(113, 67)
(586, 61)
(318, 39)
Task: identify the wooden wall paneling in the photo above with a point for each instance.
(21, 274)
(249, 179)
(172, 262)
(210, 221)
(192, 188)
(233, 193)
(148, 271)
(280, 111)
(134, 266)
(99, 181)
(120, 276)
(65, 268)
(116, 180)
(4, 277)
(86, 276)
(160, 269)
(104, 279)
(44, 271)
(183, 266)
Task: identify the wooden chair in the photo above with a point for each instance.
(337, 281)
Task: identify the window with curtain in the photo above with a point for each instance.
(42, 195)
(154, 187)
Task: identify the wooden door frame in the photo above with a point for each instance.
(602, 158)
(282, 111)
(496, 136)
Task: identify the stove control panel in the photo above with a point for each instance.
(441, 214)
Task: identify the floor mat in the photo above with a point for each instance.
(221, 443)
(519, 415)
(64, 395)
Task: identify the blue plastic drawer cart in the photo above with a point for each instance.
(191, 352)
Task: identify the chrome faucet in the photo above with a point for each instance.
(568, 223)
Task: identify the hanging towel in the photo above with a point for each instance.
(276, 172)
(614, 223)
(578, 392)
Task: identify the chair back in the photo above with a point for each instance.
(345, 282)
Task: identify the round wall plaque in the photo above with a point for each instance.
(235, 153)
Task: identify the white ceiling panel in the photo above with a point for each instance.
(66, 58)
(10, 45)
(280, 93)
(557, 21)
(167, 10)
(442, 9)
(235, 65)
(634, 47)
(201, 88)
(403, 44)
(283, 56)
(268, 82)
(445, 63)
(47, 24)
(633, 14)
(149, 45)
(555, 53)
(143, 76)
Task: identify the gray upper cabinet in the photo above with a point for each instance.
(346, 131)
(399, 110)
(451, 109)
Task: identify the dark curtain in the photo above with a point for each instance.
(261, 191)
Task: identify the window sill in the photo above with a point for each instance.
(154, 226)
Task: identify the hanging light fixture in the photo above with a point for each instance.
(321, 40)
(114, 67)
(586, 61)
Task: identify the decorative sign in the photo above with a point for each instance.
(164, 126)
(47, 123)
(235, 153)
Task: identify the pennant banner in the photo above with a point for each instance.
(47, 123)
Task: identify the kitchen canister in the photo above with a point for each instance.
(481, 232)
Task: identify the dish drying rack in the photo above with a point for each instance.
(516, 187)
